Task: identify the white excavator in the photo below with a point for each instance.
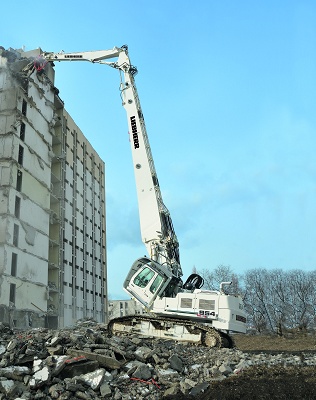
(176, 310)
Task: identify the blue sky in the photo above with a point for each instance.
(228, 93)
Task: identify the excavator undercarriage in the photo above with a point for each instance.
(170, 328)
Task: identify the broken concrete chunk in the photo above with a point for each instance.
(185, 387)
(104, 361)
(14, 372)
(72, 385)
(173, 390)
(83, 395)
(132, 365)
(75, 360)
(8, 387)
(56, 390)
(105, 391)
(136, 341)
(37, 363)
(195, 366)
(58, 350)
(54, 341)
(166, 373)
(156, 358)
(93, 379)
(225, 369)
(71, 370)
(143, 353)
(59, 364)
(40, 377)
(176, 363)
(12, 344)
(108, 377)
(190, 382)
(200, 388)
(142, 372)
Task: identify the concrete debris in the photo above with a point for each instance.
(84, 362)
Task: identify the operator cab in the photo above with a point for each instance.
(148, 280)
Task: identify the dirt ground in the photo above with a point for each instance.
(290, 342)
(268, 383)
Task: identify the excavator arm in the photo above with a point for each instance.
(156, 225)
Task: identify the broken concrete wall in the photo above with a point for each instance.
(28, 239)
(26, 111)
(32, 214)
(6, 86)
(21, 318)
(3, 260)
(59, 179)
(30, 267)
(36, 160)
(8, 100)
(29, 295)
(49, 71)
(32, 188)
(7, 147)
(5, 175)
(38, 115)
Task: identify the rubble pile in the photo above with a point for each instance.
(84, 362)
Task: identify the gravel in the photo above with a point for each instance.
(84, 362)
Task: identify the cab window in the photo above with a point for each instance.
(144, 277)
(156, 283)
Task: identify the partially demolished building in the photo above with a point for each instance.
(52, 204)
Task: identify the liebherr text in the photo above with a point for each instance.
(134, 131)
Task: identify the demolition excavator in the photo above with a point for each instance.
(176, 310)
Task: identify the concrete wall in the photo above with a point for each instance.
(24, 210)
(52, 193)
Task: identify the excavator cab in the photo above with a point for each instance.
(148, 280)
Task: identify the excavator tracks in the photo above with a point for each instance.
(176, 329)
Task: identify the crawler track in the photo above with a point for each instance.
(168, 328)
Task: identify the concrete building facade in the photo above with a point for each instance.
(121, 308)
(52, 204)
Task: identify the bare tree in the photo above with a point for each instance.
(279, 300)
(222, 273)
(302, 299)
(256, 299)
(275, 300)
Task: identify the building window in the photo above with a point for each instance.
(12, 293)
(19, 181)
(14, 263)
(16, 235)
(24, 107)
(22, 131)
(21, 152)
(17, 206)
